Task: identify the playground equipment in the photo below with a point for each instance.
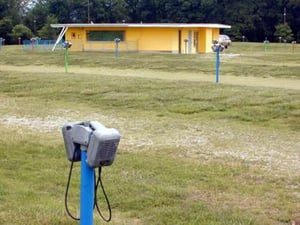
(94, 146)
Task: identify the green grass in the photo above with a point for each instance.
(241, 104)
(252, 60)
(191, 152)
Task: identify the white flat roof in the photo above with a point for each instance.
(143, 25)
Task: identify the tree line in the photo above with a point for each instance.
(252, 20)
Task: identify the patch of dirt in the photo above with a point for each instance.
(47, 124)
(272, 151)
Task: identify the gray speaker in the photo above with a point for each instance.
(103, 146)
(72, 149)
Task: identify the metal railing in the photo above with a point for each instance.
(124, 46)
(38, 44)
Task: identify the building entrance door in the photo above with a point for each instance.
(196, 43)
(179, 41)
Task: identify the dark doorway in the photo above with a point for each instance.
(179, 41)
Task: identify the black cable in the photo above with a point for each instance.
(105, 195)
(67, 190)
(99, 181)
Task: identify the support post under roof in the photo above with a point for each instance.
(62, 33)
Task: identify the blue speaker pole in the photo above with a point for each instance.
(86, 190)
(117, 50)
(117, 40)
(217, 63)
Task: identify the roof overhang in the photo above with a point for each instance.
(142, 25)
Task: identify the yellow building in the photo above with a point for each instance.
(154, 37)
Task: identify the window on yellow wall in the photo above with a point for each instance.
(73, 35)
(105, 35)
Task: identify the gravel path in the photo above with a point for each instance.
(269, 150)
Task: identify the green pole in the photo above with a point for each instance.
(266, 43)
(66, 60)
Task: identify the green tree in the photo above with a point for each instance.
(6, 27)
(46, 32)
(284, 31)
(21, 31)
(293, 18)
(115, 11)
(36, 16)
(254, 19)
(133, 9)
(10, 9)
(148, 11)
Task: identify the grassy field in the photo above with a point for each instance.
(192, 152)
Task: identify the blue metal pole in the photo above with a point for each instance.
(86, 191)
(217, 64)
(117, 50)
